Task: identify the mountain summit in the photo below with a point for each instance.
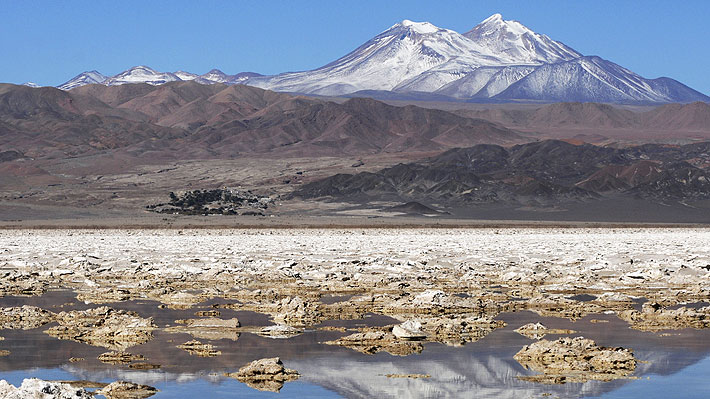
(497, 60)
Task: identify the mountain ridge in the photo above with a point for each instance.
(496, 61)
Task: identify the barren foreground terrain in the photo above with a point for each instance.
(447, 286)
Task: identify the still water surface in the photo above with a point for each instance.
(675, 365)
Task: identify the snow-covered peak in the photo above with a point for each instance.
(141, 74)
(517, 43)
(31, 84)
(216, 76)
(185, 75)
(419, 27)
(84, 78)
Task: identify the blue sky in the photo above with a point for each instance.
(49, 42)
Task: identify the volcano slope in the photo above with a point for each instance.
(542, 180)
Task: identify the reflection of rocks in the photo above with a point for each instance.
(104, 295)
(279, 331)
(653, 317)
(559, 306)
(371, 342)
(208, 328)
(119, 357)
(575, 360)
(103, 326)
(24, 317)
(197, 348)
(126, 390)
(33, 388)
(538, 331)
(265, 374)
(453, 330)
(4, 352)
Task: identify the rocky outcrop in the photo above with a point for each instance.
(33, 388)
(103, 326)
(371, 342)
(197, 348)
(575, 360)
(120, 357)
(267, 374)
(126, 390)
(24, 317)
(653, 317)
(539, 330)
(208, 328)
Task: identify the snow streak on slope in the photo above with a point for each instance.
(85, 78)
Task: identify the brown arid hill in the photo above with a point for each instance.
(550, 175)
(601, 123)
(186, 120)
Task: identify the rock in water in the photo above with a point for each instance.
(410, 329)
(575, 360)
(126, 390)
(267, 374)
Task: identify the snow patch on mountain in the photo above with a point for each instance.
(84, 78)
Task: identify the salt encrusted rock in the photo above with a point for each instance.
(119, 357)
(33, 388)
(209, 328)
(103, 326)
(294, 311)
(197, 348)
(126, 390)
(538, 331)
(279, 331)
(653, 317)
(267, 374)
(24, 317)
(410, 329)
(575, 360)
(458, 330)
(371, 342)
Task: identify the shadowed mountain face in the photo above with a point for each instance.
(546, 173)
(186, 120)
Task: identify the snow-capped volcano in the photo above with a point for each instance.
(497, 60)
(516, 43)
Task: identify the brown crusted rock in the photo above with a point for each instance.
(267, 374)
(575, 360)
(538, 331)
(371, 342)
(453, 330)
(294, 311)
(126, 390)
(209, 328)
(653, 317)
(24, 317)
(119, 357)
(103, 326)
(279, 331)
(197, 348)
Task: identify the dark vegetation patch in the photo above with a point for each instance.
(223, 201)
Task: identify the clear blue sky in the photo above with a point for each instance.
(49, 42)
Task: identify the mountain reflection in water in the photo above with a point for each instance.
(676, 363)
